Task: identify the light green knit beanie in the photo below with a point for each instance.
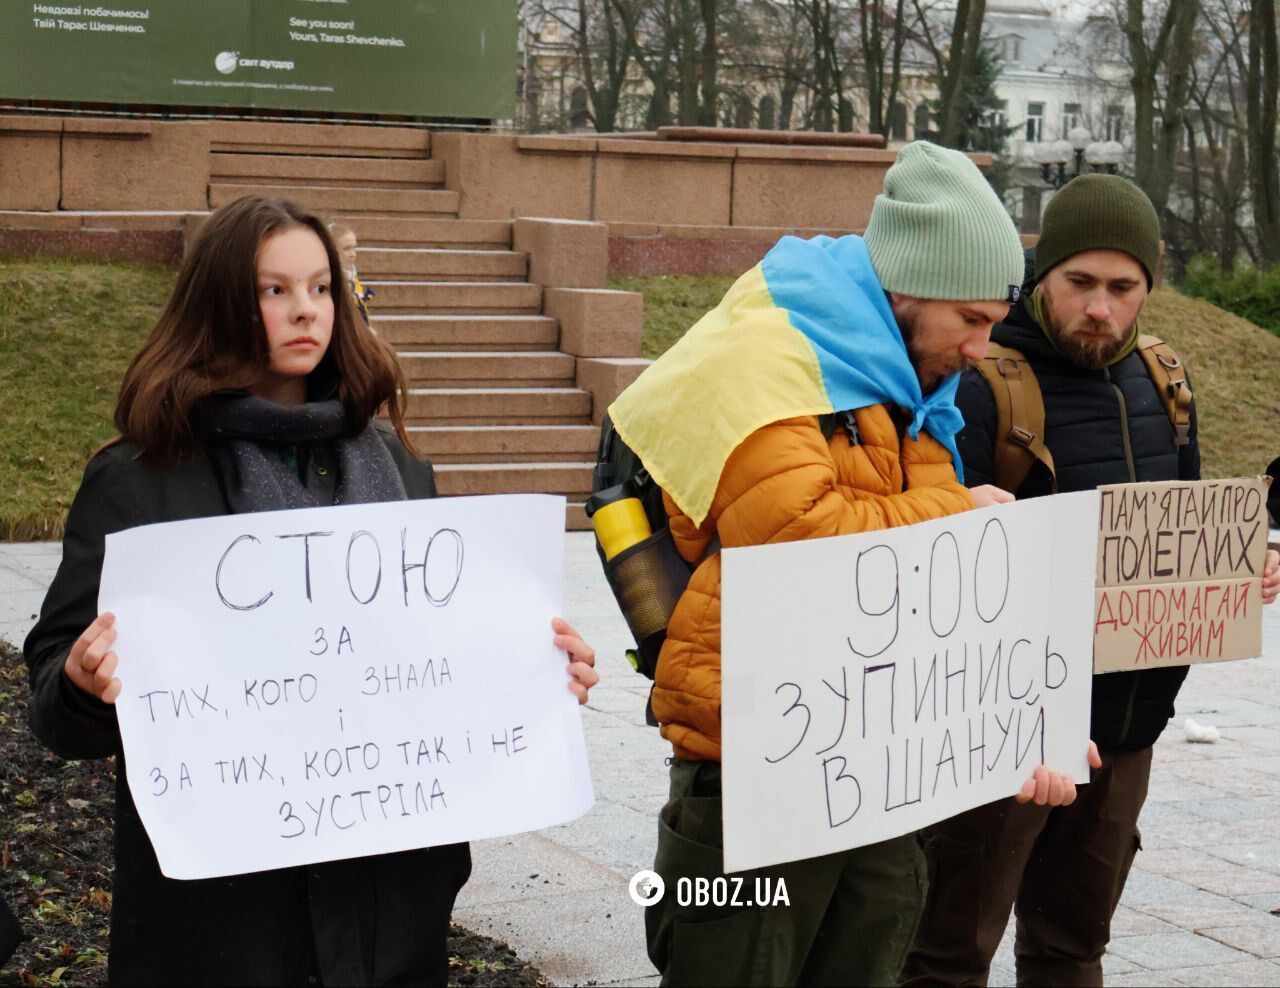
(939, 230)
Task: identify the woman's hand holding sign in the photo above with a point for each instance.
(91, 665)
(582, 658)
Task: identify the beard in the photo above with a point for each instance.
(931, 368)
(1085, 341)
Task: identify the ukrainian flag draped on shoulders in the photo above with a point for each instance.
(807, 331)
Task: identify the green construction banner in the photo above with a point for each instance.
(454, 58)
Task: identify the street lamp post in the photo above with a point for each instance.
(1079, 149)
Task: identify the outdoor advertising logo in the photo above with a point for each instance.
(227, 62)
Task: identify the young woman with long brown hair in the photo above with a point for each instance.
(255, 391)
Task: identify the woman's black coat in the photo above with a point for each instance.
(363, 921)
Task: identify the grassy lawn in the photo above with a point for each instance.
(1235, 373)
(672, 303)
(68, 330)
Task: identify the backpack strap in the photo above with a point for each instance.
(1019, 417)
(1170, 379)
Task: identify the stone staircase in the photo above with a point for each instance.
(495, 402)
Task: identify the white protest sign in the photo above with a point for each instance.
(327, 683)
(876, 683)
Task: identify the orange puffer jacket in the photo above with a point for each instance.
(786, 482)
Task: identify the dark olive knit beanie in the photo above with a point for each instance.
(1099, 212)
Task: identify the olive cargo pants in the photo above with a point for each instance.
(851, 918)
(1063, 868)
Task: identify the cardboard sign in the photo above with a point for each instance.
(327, 683)
(874, 684)
(1179, 573)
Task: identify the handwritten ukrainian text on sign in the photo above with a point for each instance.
(877, 683)
(1179, 573)
(303, 686)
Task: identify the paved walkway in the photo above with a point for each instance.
(1202, 906)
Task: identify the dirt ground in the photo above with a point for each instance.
(55, 863)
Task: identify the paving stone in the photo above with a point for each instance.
(1139, 979)
(1237, 808)
(18, 610)
(1003, 956)
(1208, 834)
(1262, 939)
(1180, 904)
(1228, 776)
(1158, 812)
(575, 937)
(512, 868)
(1128, 922)
(612, 835)
(1001, 977)
(1113, 965)
(1169, 788)
(1267, 902)
(1230, 880)
(1174, 951)
(1265, 856)
(1179, 861)
(1229, 975)
(1201, 910)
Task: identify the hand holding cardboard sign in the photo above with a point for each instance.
(1271, 577)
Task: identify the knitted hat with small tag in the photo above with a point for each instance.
(939, 230)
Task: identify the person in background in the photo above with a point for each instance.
(344, 239)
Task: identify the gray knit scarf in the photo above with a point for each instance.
(248, 432)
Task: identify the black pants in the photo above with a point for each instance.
(850, 919)
(1062, 868)
(10, 933)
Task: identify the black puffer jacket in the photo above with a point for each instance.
(1102, 427)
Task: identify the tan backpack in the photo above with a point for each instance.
(1020, 406)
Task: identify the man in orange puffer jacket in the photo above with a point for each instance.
(877, 327)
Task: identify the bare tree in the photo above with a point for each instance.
(825, 27)
(882, 93)
(678, 48)
(604, 40)
(1264, 177)
(777, 49)
(1167, 57)
(1216, 184)
(954, 64)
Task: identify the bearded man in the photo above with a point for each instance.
(1105, 422)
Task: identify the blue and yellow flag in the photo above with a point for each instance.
(807, 331)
